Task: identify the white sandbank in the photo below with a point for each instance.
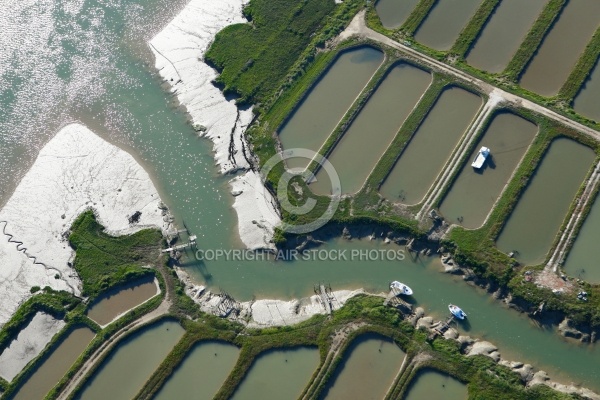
(179, 50)
(75, 171)
(29, 344)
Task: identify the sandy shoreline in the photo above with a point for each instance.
(179, 50)
(74, 172)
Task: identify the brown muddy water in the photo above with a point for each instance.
(121, 299)
(393, 13)
(444, 23)
(581, 261)
(562, 47)
(47, 375)
(586, 103)
(201, 373)
(327, 102)
(279, 374)
(123, 373)
(431, 146)
(474, 192)
(368, 369)
(431, 384)
(370, 134)
(503, 34)
(534, 223)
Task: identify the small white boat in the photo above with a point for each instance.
(401, 287)
(457, 312)
(479, 160)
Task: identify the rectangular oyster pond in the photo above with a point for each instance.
(581, 261)
(202, 372)
(503, 33)
(444, 23)
(47, 375)
(562, 46)
(123, 373)
(586, 103)
(367, 371)
(429, 148)
(431, 384)
(278, 374)
(474, 192)
(370, 134)
(325, 105)
(393, 13)
(533, 224)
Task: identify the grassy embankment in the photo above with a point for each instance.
(471, 32)
(534, 38)
(582, 70)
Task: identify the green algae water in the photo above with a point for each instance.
(279, 374)
(429, 149)
(372, 131)
(123, 373)
(431, 384)
(202, 372)
(530, 229)
(101, 75)
(369, 367)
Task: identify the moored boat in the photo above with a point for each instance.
(401, 287)
(479, 160)
(457, 312)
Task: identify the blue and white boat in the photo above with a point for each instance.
(457, 312)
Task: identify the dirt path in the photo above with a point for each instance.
(107, 346)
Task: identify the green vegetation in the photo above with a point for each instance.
(254, 58)
(473, 29)
(367, 315)
(534, 38)
(417, 16)
(103, 261)
(582, 70)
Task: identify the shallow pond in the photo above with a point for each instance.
(393, 13)
(201, 373)
(431, 145)
(581, 261)
(431, 384)
(561, 48)
(534, 223)
(586, 103)
(474, 192)
(47, 375)
(368, 369)
(370, 134)
(123, 373)
(279, 374)
(327, 102)
(444, 23)
(117, 301)
(503, 34)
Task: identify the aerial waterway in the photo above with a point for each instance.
(100, 73)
